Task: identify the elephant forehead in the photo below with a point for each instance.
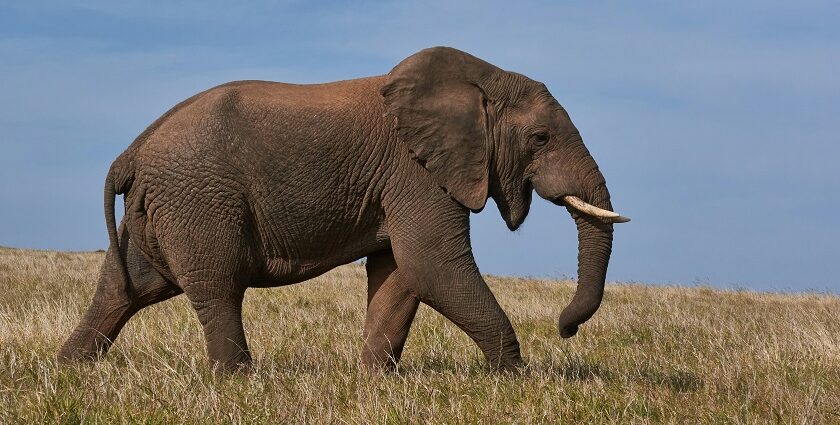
(541, 113)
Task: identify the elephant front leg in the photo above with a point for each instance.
(391, 309)
(444, 276)
(466, 300)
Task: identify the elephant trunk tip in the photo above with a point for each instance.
(584, 304)
(568, 331)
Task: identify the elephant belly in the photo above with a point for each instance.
(307, 226)
(313, 256)
(283, 271)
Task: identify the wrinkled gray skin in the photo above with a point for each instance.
(257, 184)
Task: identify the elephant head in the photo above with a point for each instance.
(484, 132)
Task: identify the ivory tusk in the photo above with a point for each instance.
(578, 204)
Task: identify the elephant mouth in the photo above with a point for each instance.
(578, 204)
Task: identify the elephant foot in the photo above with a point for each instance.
(74, 353)
(514, 367)
(238, 364)
(378, 363)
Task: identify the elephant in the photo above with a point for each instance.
(265, 184)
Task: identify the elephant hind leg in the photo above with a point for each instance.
(109, 311)
(97, 331)
(218, 306)
(213, 263)
(391, 309)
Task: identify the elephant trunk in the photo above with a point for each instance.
(594, 247)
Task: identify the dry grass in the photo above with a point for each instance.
(651, 354)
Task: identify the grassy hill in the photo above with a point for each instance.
(651, 354)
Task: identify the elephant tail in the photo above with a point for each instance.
(118, 181)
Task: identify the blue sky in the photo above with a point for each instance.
(715, 123)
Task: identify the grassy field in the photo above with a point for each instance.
(651, 354)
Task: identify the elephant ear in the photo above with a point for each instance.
(440, 106)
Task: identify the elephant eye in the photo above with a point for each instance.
(540, 138)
